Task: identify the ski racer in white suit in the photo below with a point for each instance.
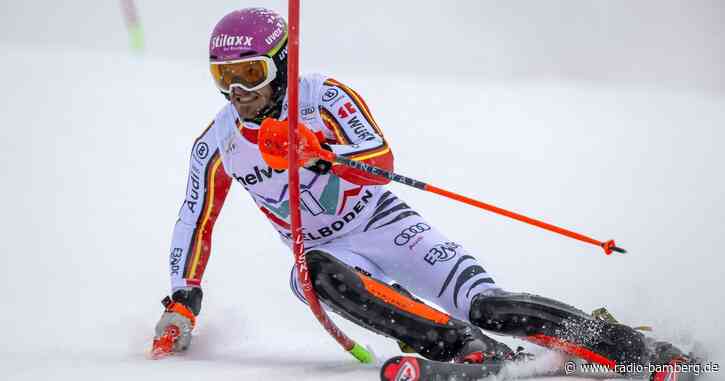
(384, 253)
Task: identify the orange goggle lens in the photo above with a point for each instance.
(250, 74)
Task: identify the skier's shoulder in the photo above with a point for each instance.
(324, 89)
(311, 81)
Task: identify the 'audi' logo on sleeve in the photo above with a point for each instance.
(411, 231)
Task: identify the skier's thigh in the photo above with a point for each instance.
(431, 266)
(341, 250)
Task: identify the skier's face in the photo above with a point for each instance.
(250, 103)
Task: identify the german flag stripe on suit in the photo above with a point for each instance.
(339, 132)
(217, 184)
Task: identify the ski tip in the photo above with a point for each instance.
(400, 369)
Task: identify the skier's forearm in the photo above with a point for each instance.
(206, 190)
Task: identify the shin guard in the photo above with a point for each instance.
(386, 310)
(558, 326)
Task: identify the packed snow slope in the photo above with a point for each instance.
(94, 155)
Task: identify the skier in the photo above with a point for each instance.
(370, 255)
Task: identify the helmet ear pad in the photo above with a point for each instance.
(279, 86)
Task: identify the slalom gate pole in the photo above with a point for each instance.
(607, 246)
(298, 248)
(133, 25)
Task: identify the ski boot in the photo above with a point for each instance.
(481, 349)
(477, 348)
(670, 364)
(667, 362)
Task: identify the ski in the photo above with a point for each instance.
(411, 368)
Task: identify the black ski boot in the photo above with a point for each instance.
(669, 363)
(481, 349)
(666, 361)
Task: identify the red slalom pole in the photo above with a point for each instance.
(608, 246)
(133, 24)
(298, 248)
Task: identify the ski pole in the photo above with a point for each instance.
(298, 249)
(608, 246)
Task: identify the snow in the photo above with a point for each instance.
(94, 155)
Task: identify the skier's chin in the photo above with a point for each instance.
(249, 104)
(247, 110)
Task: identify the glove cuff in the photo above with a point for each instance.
(177, 307)
(320, 166)
(190, 297)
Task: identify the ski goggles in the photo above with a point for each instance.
(248, 73)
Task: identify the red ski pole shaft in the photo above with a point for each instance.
(298, 248)
(608, 246)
